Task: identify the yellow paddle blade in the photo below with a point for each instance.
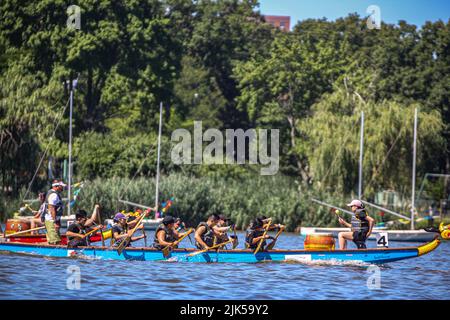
(107, 234)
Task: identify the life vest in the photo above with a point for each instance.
(59, 204)
(207, 236)
(117, 228)
(359, 222)
(169, 237)
(252, 234)
(73, 242)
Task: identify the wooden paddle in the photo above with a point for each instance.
(24, 231)
(91, 232)
(263, 236)
(127, 240)
(270, 246)
(166, 250)
(211, 248)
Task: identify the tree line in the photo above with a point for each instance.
(219, 62)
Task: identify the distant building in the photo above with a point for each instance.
(281, 22)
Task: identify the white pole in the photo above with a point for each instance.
(361, 153)
(70, 149)
(159, 156)
(413, 193)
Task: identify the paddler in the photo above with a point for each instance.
(39, 215)
(178, 226)
(76, 231)
(54, 211)
(204, 234)
(255, 233)
(120, 230)
(361, 226)
(221, 229)
(165, 233)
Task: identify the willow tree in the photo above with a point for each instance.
(278, 89)
(332, 144)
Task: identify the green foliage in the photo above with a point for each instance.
(196, 198)
(218, 62)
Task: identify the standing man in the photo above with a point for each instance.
(361, 226)
(54, 212)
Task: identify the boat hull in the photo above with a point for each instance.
(41, 238)
(367, 256)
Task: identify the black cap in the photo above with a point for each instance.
(168, 220)
(81, 214)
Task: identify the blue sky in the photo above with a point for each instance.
(413, 11)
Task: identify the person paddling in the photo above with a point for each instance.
(204, 234)
(120, 230)
(255, 233)
(165, 234)
(76, 232)
(39, 215)
(221, 229)
(361, 226)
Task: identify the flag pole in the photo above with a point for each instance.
(159, 156)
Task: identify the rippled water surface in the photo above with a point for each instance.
(32, 277)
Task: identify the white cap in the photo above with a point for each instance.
(59, 183)
(356, 203)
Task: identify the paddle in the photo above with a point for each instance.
(24, 231)
(91, 232)
(270, 246)
(166, 250)
(127, 240)
(263, 236)
(211, 248)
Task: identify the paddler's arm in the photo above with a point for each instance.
(74, 234)
(94, 216)
(198, 237)
(344, 223)
(371, 224)
(257, 239)
(161, 235)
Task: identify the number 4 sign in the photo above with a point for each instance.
(382, 239)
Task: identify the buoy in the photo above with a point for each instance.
(16, 225)
(319, 241)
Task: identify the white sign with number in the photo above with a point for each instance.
(382, 239)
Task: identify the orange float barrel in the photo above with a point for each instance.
(319, 242)
(16, 225)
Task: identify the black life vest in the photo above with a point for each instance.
(207, 237)
(59, 204)
(252, 234)
(169, 237)
(73, 242)
(359, 222)
(120, 230)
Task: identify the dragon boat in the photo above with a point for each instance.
(365, 256)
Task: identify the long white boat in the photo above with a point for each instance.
(149, 224)
(393, 235)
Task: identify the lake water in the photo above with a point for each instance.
(32, 277)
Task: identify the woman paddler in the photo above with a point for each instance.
(361, 226)
(165, 233)
(120, 230)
